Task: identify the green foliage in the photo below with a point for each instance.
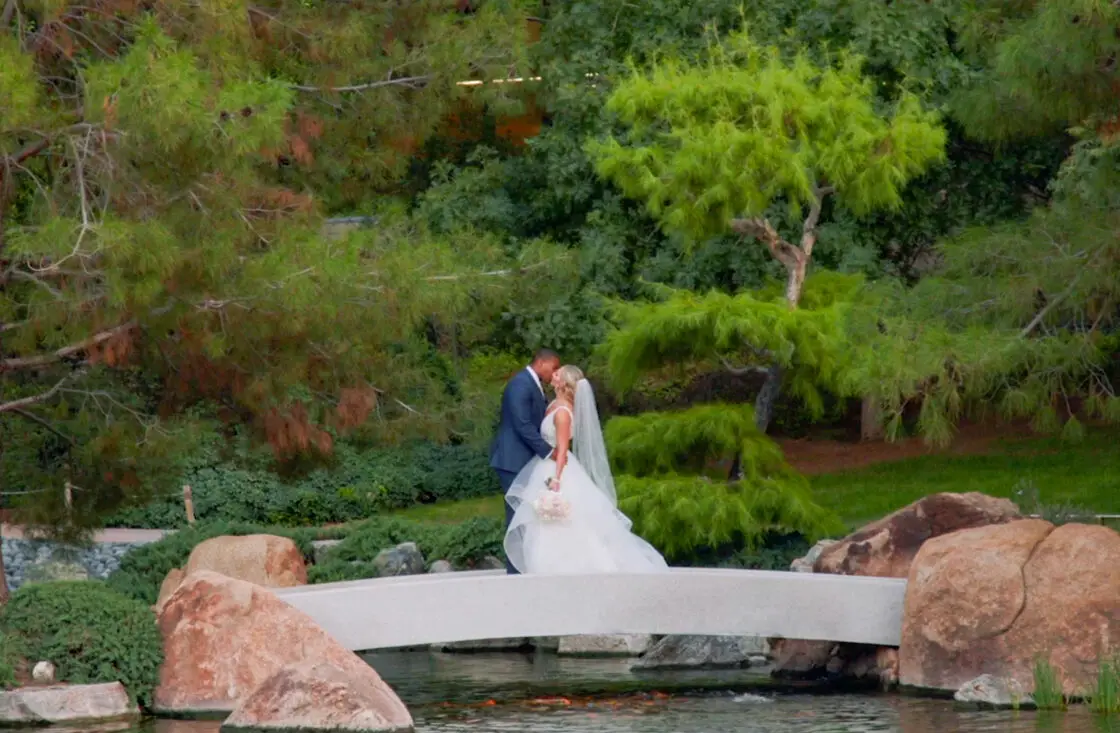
(1024, 87)
(144, 567)
(355, 485)
(462, 544)
(162, 193)
(711, 142)
(12, 656)
(686, 515)
(1047, 686)
(689, 440)
(90, 632)
(1104, 698)
(741, 331)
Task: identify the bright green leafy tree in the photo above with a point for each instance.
(715, 147)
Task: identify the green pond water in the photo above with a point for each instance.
(492, 693)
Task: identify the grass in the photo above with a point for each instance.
(1047, 687)
(1105, 696)
(1084, 474)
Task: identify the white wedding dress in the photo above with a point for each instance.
(594, 537)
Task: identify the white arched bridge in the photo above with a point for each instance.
(472, 606)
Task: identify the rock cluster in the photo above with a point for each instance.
(884, 549)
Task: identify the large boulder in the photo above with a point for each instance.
(224, 637)
(886, 548)
(992, 600)
(883, 549)
(66, 704)
(314, 695)
(261, 559)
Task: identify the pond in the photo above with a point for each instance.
(496, 693)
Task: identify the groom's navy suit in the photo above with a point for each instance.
(519, 433)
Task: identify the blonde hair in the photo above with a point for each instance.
(570, 375)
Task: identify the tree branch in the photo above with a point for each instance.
(809, 227)
(28, 415)
(762, 229)
(22, 403)
(34, 362)
(740, 371)
(414, 82)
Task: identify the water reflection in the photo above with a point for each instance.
(507, 692)
(500, 693)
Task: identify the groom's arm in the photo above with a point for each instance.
(523, 425)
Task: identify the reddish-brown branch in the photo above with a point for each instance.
(41, 360)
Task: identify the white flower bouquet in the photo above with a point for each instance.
(550, 506)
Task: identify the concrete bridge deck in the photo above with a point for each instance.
(470, 606)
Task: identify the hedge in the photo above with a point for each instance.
(358, 485)
(89, 632)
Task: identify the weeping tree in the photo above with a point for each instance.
(669, 463)
(726, 145)
(164, 175)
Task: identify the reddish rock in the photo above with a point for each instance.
(882, 549)
(886, 548)
(314, 695)
(262, 559)
(992, 600)
(224, 637)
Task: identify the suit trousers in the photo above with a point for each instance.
(505, 478)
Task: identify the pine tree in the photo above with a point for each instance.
(1020, 318)
(164, 174)
(714, 147)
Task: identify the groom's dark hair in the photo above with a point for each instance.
(545, 355)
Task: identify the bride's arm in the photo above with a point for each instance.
(563, 440)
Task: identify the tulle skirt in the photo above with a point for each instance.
(594, 536)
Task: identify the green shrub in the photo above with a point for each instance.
(688, 517)
(90, 632)
(463, 545)
(11, 656)
(144, 567)
(358, 485)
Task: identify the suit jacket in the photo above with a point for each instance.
(519, 431)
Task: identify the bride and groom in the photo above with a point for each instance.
(561, 509)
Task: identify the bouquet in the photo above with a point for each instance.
(551, 507)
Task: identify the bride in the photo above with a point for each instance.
(565, 517)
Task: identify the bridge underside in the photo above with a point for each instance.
(470, 606)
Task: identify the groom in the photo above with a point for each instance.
(519, 432)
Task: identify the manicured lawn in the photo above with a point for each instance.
(1085, 474)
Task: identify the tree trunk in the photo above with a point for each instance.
(870, 420)
(763, 413)
(796, 280)
(767, 398)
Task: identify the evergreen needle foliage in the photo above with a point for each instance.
(742, 331)
(687, 515)
(709, 142)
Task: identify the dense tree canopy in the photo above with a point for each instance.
(297, 221)
(163, 180)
